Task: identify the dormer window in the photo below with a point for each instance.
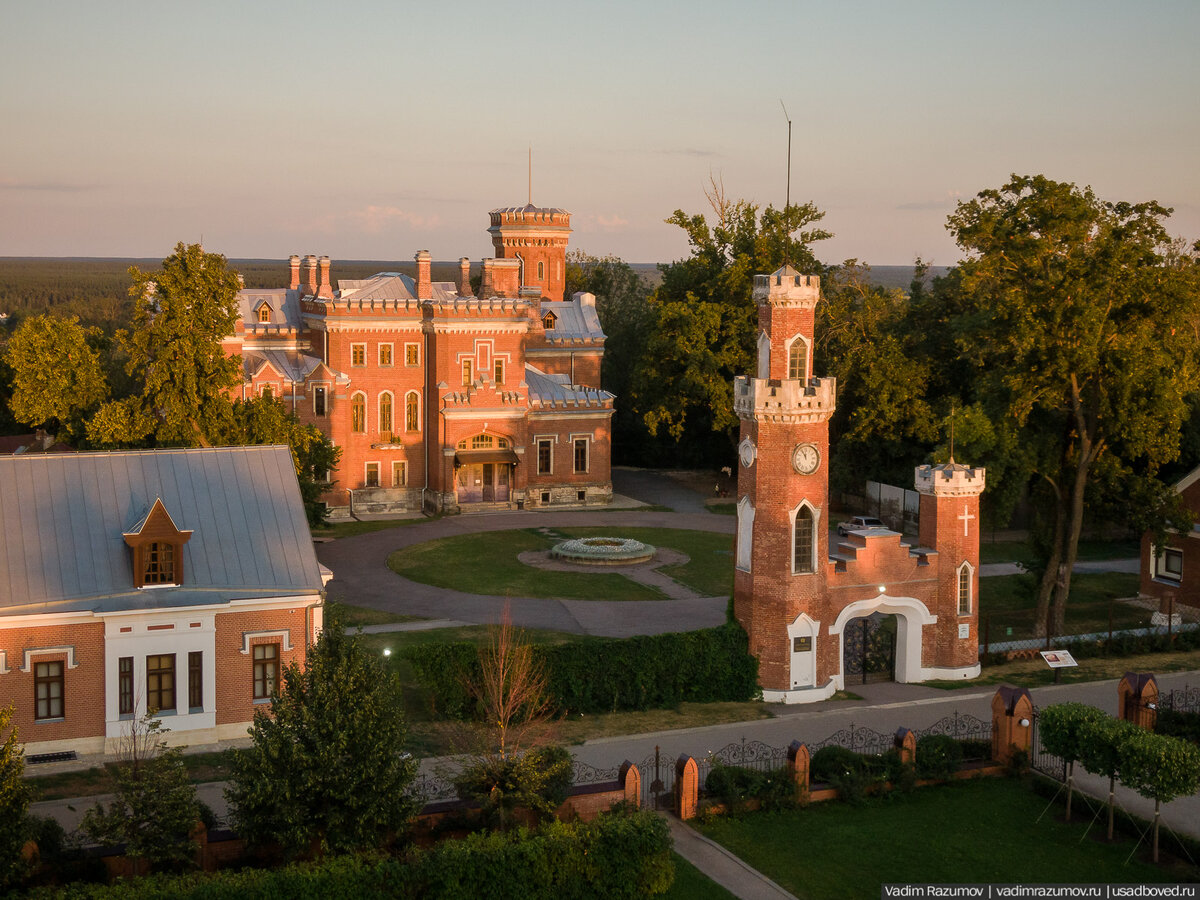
(157, 546)
(548, 321)
(264, 314)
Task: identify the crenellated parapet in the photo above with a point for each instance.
(950, 480)
(790, 401)
(787, 287)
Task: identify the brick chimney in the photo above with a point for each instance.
(464, 277)
(485, 284)
(308, 275)
(424, 284)
(294, 267)
(324, 285)
(506, 277)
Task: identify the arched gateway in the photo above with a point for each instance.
(793, 593)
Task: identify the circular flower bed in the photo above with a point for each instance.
(603, 551)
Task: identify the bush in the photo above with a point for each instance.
(597, 675)
(616, 856)
(1184, 725)
(834, 762)
(538, 781)
(938, 756)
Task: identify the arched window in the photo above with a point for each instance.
(764, 356)
(541, 270)
(385, 411)
(548, 321)
(267, 392)
(358, 413)
(798, 359)
(745, 533)
(966, 580)
(804, 540)
(412, 416)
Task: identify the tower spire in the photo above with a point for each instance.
(531, 174)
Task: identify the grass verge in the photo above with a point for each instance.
(1019, 551)
(201, 767)
(1035, 673)
(362, 616)
(985, 830)
(692, 884)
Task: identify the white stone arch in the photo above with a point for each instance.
(745, 533)
(802, 348)
(816, 531)
(764, 356)
(911, 616)
(803, 660)
(969, 570)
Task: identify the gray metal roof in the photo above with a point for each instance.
(549, 391)
(63, 518)
(291, 364)
(284, 303)
(574, 319)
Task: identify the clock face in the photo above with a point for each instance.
(806, 458)
(746, 452)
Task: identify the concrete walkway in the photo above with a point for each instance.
(722, 866)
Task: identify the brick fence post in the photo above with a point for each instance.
(906, 743)
(1137, 699)
(798, 759)
(687, 787)
(631, 780)
(1012, 723)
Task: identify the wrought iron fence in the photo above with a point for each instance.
(963, 727)
(1042, 760)
(858, 738)
(745, 754)
(430, 788)
(1184, 700)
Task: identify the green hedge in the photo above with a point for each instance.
(615, 856)
(597, 675)
(1184, 725)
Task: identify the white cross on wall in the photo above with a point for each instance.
(965, 518)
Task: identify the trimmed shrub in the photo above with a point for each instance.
(834, 762)
(597, 675)
(616, 856)
(938, 756)
(1184, 725)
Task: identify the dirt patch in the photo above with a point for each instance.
(708, 483)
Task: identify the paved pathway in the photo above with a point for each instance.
(727, 870)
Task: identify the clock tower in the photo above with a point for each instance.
(783, 486)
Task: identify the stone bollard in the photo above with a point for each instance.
(687, 787)
(1137, 699)
(1012, 723)
(906, 743)
(631, 781)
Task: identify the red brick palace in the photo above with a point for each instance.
(440, 397)
(793, 596)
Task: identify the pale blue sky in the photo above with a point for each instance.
(372, 130)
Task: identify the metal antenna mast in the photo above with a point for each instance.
(531, 174)
(788, 196)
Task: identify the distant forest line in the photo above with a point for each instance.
(96, 289)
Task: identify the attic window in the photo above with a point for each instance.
(548, 321)
(157, 546)
(264, 314)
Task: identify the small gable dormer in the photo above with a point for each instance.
(262, 313)
(549, 321)
(157, 545)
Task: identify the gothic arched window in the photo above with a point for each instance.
(358, 413)
(798, 359)
(804, 536)
(385, 411)
(411, 412)
(965, 581)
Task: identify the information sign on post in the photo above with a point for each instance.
(1058, 660)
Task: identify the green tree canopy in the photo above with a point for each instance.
(14, 800)
(705, 318)
(58, 374)
(182, 312)
(326, 767)
(1076, 317)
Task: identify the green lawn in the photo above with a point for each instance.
(692, 884)
(487, 564)
(1006, 604)
(986, 830)
(1019, 551)
(361, 616)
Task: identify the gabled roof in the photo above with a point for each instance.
(63, 519)
(391, 286)
(556, 391)
(285, 306)
(574, 319)
(290, 364)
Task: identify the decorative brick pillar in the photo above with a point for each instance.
(1012, 722)
(687, 787)
(1137, 699)
(906, 743)
(631, 781)
(798, 759)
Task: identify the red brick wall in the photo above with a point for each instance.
(235, 670)
(83, 686)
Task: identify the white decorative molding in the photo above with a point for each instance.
(4, 670)
(283, 633)
(68, 649)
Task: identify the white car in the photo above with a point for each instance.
(858, 523)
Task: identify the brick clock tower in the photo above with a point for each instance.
(791, 594)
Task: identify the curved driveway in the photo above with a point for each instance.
(361, 576)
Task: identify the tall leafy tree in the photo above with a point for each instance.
(14, 800)
(1077, 317)
(326, 769)
(58, 374)
(704, 323)
(181, 314)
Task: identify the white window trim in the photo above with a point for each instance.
(970, 589)
(323, 385)
(746, 552)
(275, 387)
(580, 437)
(354, 365)
(403, 464)
(379, 471)
(408, 394)
(537, 440)
(418, 348)
(379, 354)
(4, 669)
(68, 649)
(1158, 563)
(816, 519)
(379, 411)
(284, 635)
(787, 349)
